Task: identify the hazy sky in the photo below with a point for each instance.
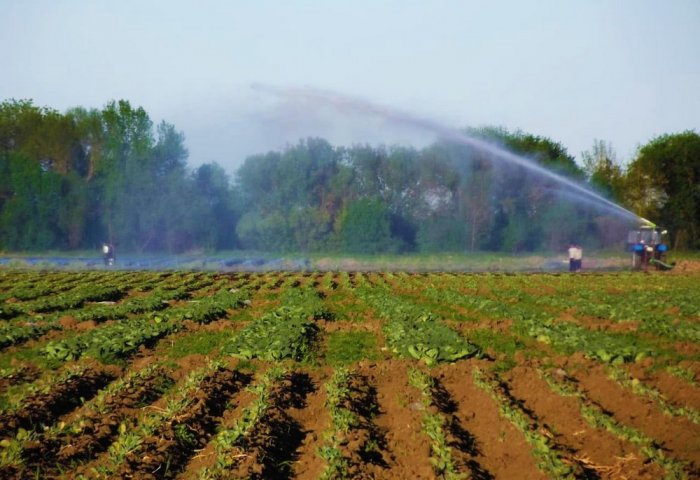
(621, 71)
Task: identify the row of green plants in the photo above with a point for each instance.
(343, 419)
(48, 296)
(152, 381)
(550, 457)
(234, 441)
(414, 332)
(684, 373)
(435, 427)
(632, 299)
(13, 333)
(352, 439)
(117, 340)
(668, 312)
(16, 332)
(310, 299)
(74, 298)
(13, 398)
(532, 321)
(286, 332)
(424, 338)
(598, 417)
(607, 347)
(29, 286)
(664, 308)
(283, 333)
(509, 296)
(640, 388)
(123, 338)
(133, 433)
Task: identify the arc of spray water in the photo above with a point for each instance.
(347, 103)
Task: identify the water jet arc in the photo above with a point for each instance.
(317, 97)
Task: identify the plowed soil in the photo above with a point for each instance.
(602, 452)
(51, 432)
(678, 436)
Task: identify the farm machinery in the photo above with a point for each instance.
(648, 247)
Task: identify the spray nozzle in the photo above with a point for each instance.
(648, 222)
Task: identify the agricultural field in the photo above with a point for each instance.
(333, 375)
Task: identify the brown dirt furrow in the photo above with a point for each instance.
(344, 326)
(206, 456)
(461, 441)
(313, 420)
(166, 453)
(677, 391)
(44, 408)
(679, 436)
(407, 452)
(51, 452)
(603, 453)
(498, 446)
(24, 374)
(272, 448)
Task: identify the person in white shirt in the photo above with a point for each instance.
(575, 257)
(108, 253)
(572, 260)
(578, 258)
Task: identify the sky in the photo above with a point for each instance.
(573, 71)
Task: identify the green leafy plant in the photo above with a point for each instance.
(434, 427)
(597, 417)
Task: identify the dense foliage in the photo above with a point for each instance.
(74, 180)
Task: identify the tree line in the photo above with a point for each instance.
(76, 179)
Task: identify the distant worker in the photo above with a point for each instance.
(575, 257)
(108, 253)
(572, 259)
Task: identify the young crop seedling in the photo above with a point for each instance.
(640, 388)
(231, 443)
(352, 440)
(413, 332)
(161, 438)
(435, 428)
(597, 417)
(551, 459)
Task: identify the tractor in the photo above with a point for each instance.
(648, 247)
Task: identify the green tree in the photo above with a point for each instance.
(604, 172)
(264, 233)
(29, 210)
(365, 226)
(218, 213)
(664, 183)
(522, 200)
(124, 175)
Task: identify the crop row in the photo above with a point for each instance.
(642, 389)
(414, 332)
(163, 438)
(51, 398)
(49, 449)
(286, 332)
(435, 426)
(352, 441)
(531, 321)
(552, 459)
(251, 439)
(121, 339)
(597, 417)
